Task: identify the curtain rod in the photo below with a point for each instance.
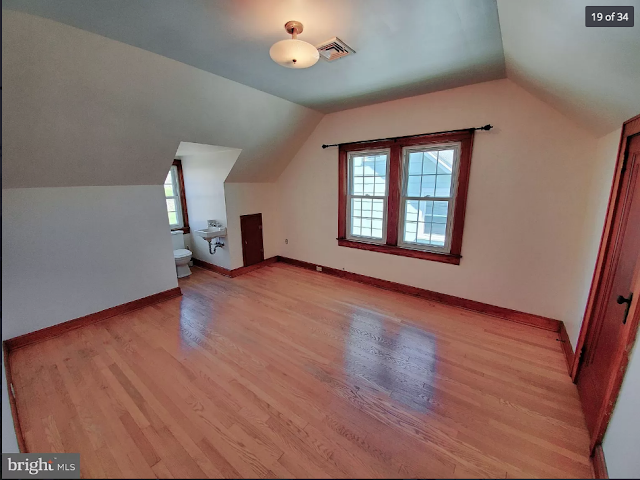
(486, 127)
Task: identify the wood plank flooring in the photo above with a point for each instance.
(285, 372)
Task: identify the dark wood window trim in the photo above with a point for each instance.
(395, 185)
(183, 198)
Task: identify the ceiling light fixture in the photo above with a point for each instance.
(294, 53)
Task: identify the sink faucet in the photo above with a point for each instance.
(213, 223)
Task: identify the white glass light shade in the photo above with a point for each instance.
(294, 54)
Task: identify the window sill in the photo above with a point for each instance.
(403, 252)
(184, 229)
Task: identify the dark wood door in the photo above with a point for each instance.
(608, 338)
(252, 248)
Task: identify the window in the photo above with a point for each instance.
(406, 196)
(175, 198)
(367, 202)
(172, 194)
(428, 194)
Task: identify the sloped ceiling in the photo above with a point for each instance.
(80, 109)
(187, 148)
(592, 75)
(210, 153)
(403, 48)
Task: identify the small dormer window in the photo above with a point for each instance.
(175, 198)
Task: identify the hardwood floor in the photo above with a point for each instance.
(284, 372)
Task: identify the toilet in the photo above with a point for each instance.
(181, 255)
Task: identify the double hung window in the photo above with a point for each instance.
(406, 196)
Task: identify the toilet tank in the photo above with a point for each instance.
(177, 238)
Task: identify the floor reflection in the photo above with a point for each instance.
(193, 330)
(395, 358)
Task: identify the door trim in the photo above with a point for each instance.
(599, 464)
(609, 251)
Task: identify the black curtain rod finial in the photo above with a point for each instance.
(488, 126)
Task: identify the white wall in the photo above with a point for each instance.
(602, 163)
(69, 252)
(248, 198)
(204, 176)
(621, 441)
(528, 192)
